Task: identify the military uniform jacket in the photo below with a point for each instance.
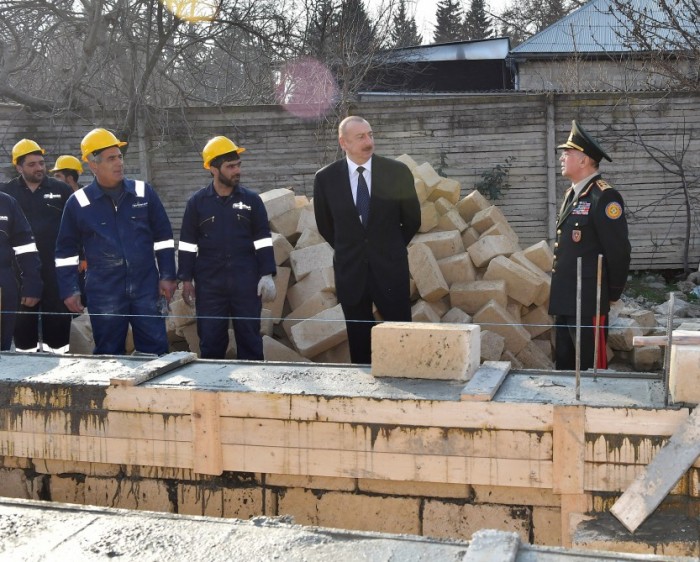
(594, 224)
(221, 237)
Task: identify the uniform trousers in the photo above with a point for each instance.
(565, 341)
(10, 300)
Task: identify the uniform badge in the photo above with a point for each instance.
(613, 210)
(576, 235)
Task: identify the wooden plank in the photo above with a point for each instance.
(572, 506)
(680, 337)
(388, 466)
(151, 399)
(660, 476)
(616, 477)
(387, 439)
(148, 452)
(568, 449)
(153, 368)
(634, 421)
(486, 381)
(206, 433)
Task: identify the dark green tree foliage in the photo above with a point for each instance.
(523, 18)
(477, 24)
(404, 32)
(449, 25)
(355, 29)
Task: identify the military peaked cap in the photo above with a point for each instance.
(580, 140)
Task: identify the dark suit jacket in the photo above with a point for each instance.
(595, 225)
(379, 249)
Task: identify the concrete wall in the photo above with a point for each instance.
(462, 138)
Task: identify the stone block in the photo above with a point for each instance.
(522, 285)
(545, 346)
(492, 345)
(510, 356)
(308, 482)
(420, 489)
(338, 354)
(308, 238)
(499, 321)
(470, 205)
(429, 217)
(509, 495)
(425, 351)
(17, 462)
(286, 224)
(281, 247)
(472, 296)
(457, 269)
(242, 503)
(67, 488)
(316, 281)
(645, 319)
(426, 173)
(442, 206)
(452, 221)
(537, 321)
(456, 316)
(14, 483)
(81, 341)
(320, 332)
(683, 373)
(307, 219)
(322, 300)
(421, 190)
(448, 188)
(181, 314)
(514, 308)
(301, 201)
(266, 322)
(281, 284)
(151, 495)
(421, 311)
(621, 333)
(442, 519)
(487, 248)
(274, 350)
(440, 306)
(532, 357)
(278, 201)
(410, 162)
(352, 511)
(504, 229)
(645, 359)
(442, 244)
(486, 218)
(306, 260)
(200, 500)
(542, 296)
(541, 255)
(469, 236)
(426, 273)
(189, 332)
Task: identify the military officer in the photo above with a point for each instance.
(591, 222)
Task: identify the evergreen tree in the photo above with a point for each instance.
(477, 24)
(404, 32)
(355, 29)
(449, 25)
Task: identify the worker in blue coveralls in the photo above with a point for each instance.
(122, 227)
(225, 256)
(16, 243)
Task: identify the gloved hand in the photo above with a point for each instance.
(266, 288)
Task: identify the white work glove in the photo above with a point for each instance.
(266, 288)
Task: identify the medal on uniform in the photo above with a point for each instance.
(576, 235)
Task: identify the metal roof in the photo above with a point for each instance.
(596, 28)
(495, 48)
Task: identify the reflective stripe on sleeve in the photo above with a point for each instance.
(262, 243)
(187, 247)
(163, 244)
(82, 198)
(63, 262)
(140, 188)
(24, 248)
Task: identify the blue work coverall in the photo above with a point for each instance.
(226, 247)
(43, 208)
(16, 244)
(121, 243)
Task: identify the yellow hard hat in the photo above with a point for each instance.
(218, 146)
(24, 147)
(66, 162)
(98, 139)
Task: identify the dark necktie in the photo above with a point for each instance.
(362, 196)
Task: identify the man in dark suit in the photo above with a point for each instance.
(591, 222)
(367, 209)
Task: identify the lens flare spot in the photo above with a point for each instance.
(306, 88)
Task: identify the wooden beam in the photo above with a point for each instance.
(206, 433)
(486, 381)
(680, 337)
(569, 449)
(634, 421)
(660, 476)
(152, 369)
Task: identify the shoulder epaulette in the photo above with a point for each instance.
(603, 185)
